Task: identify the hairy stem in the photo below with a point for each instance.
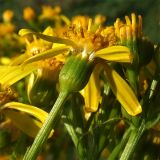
(132, 142)
(120, 146)
(50, 122)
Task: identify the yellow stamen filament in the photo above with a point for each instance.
(89, 25)
(128, 22)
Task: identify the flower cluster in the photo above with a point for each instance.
(105, 65)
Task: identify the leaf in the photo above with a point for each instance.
(122, 91)
(116, 54)
(26, 117)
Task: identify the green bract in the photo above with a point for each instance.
(75, 74)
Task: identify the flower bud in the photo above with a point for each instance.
(41, 91)
(145, 51)
(75, 74)
(28, 14)
(4, 138)
(8, 15)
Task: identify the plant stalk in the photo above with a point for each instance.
(132, 142)
(50, 123)
(120, 146)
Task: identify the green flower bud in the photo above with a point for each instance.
(41, 91)
(4, 138)
(75, 74)
(145, 51)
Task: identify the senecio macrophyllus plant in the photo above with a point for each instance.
(101, 74)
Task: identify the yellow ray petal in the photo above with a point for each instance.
(26, 117)
(116, 54)
(65, 19)
(91, 92)
(5, 60)
(123, 92)
(11, 74)
(18, 60)
(25, 123)
(47, 54)
(24, 32)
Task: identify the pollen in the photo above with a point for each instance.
(87, 35)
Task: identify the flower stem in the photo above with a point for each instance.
(120, 146)
(133, 141)
(50, 122)
(132, 78)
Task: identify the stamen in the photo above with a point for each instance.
(139, 25)
(89, 25)
(128, 22)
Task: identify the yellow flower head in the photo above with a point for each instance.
(28, 14)
(131, 29)
(49, 12)
(6, 28)
(50, 67)
(7, 15)
(36, 46)
(87, 36)
(91, 43)
(109, 33)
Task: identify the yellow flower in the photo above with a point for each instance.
(129, 34)
(130, 30)
(6, 28)
(8, 15)
(28, 14)
(97, 44)
(49, 12)
(94, 44)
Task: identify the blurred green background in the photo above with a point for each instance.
(149, 9)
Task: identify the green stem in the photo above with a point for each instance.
(81, 149)
(132, 142)
(50, 122)
(132, 77)
(120, 146)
